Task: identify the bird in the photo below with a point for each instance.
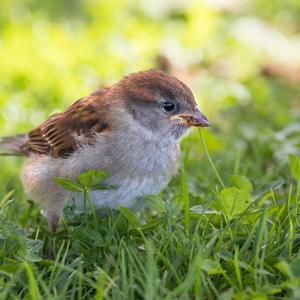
(132, 129)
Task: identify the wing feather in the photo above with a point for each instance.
(56, 136)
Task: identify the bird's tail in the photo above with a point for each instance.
(13, 145)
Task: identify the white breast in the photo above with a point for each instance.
(137, 167)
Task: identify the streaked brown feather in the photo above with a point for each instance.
(55, 137)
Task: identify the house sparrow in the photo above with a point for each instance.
(131, 129)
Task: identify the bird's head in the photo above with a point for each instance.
(161, 103)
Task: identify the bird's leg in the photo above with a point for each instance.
(53, 219)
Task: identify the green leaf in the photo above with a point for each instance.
(93, 178)
(273, 185)
(88, 236)
(69, 184)
(34, 250)
(130, 216)
(241, 182)
(72, 213)
(294, 162)
(211, 267)
(234, 201)
(101, 187)
(11, 268)
(283, 267)
(201, 209)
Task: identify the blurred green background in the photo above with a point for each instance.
(241, 58)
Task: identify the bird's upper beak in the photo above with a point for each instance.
(195, 118)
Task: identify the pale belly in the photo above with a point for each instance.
(127, 194)
(134, 173)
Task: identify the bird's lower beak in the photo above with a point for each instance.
(196, 119)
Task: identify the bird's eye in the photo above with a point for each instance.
(168, 106)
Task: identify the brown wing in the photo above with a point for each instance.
(56, 136)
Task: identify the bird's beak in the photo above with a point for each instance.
(196, 119)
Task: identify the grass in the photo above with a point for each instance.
(197, 239)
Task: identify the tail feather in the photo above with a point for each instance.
(13, 145)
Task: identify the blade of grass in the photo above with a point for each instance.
(33, 287)
(88, 197)
(186, 201)
(209, 159)
(237, 267)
